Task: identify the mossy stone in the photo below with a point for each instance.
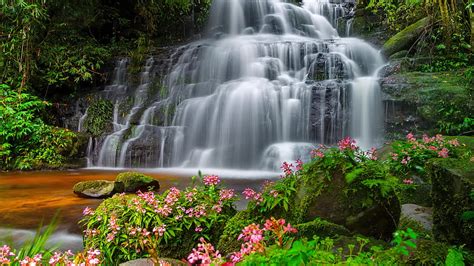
(228, 241)
(405, 38)
(453, 182)
(97, 188)
(359, 209)
(134, 182)
(321, 228)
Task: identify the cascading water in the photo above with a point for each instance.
(272, 80)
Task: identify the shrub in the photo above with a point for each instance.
(127, 227)
(26, 142)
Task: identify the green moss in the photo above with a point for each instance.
(99, 117)
(453, 181)
(442, 100)
(321, 228)
(405, 38)
(428, 252)
(136, 181)
(228, 242)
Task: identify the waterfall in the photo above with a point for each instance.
(270, 80)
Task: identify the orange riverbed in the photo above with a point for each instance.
(28, 198)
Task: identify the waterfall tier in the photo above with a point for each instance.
(271, 80)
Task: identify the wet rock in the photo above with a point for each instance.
(134, 182)
(97, 188)
(420, 214)
(453, 184)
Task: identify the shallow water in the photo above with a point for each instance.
(29, 199)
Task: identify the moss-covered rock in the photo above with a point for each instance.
(97, 188)
(134, 182)
(405, 38)
(352, 205)
(99, 118)
(228, 242)
(453, 182)
(427, 103)
(321, 228)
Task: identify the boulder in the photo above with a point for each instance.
(97, 188)
(134, 182)
(420, 214)
(321, 228)
(405, 38)
(453, 186)
(349, 204)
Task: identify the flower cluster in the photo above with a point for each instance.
(411, 155)
(347, 144)
(252, 195)
(149, 219)
(60, 258)
(205, 254)
(88, 258)
(211, 180)
(289, 168)
(254, 237)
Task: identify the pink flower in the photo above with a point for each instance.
(454, 142)
(251, 233)
(443, 153)
(433, 148)
(205, 254)
(394, 156)
(226, 194)
(249, 193)
(372, 154)
(274, 193)
(211, 180)
(198, 229)
(347, 144)
(299, 165)
(287, 168)
(317, 153)
(410, 137)
(160, 230)
(87, 211)
(408, 181)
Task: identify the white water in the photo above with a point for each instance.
(271, 79)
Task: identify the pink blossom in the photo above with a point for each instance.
(410, 137)
(198, 229)
(372, 154)
(249, 193)
(226, 194)
(408, 181)
(444, 153)
(394, 156)
(347, 144)
(211, 180)
(251, 233)
(205, 254)
(274, 193)
(453, 142)
(433, 148)
(287, 168)
(299, 165)
(317, 153)
(160, 230)
(87, 211)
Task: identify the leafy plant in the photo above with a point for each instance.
(127, 227)
(26, 142)
(411, 155)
